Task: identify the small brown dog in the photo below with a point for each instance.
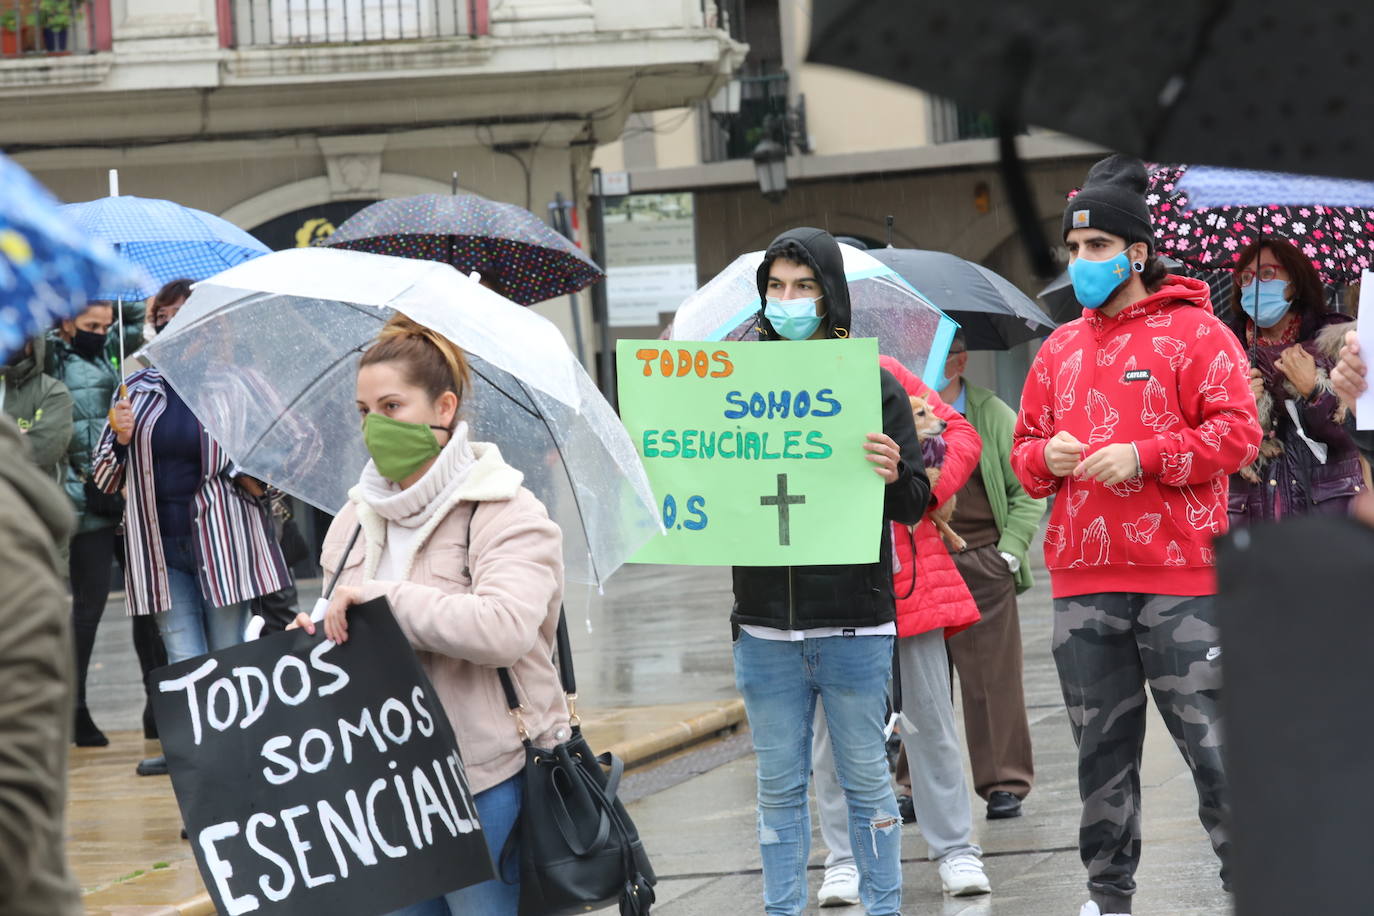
(929, 430)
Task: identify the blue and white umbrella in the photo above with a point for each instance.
(167, 240)
(49, 268)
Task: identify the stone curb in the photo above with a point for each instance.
(678, 736)
(634, 752)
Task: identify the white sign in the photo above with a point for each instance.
(615, 184)
(650, 257)
(639, 294)
(1364, 407)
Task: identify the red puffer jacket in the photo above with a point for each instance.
(938, 598)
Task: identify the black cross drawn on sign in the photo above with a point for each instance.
(784, 504)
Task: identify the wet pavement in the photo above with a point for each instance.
(652, 651)
(701, 832)
(654, 673)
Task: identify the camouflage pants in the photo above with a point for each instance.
(1107, 647)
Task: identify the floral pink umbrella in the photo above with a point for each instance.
(1338, 240)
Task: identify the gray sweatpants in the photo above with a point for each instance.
(938, 790)
(1108, 647)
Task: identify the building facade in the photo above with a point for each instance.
(858, 150)
(286, 116)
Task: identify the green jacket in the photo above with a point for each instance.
(36, 675)
(41, 405)
(1017, 515)
(92, 384)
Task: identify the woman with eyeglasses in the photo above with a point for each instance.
(1307, 463)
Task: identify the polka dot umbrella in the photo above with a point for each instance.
(513, 251)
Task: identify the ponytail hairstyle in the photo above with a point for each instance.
(428, 359)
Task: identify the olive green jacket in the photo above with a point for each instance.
(42, 406)
(36, 675)
(1016, 513)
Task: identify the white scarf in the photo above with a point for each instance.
(412, 507)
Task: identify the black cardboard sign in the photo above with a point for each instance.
(1297, 617)
(318, 778)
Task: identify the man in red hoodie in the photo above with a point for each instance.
(1132, 417)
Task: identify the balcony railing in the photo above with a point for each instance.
(45, 28)
(269, 23)
(734, 135)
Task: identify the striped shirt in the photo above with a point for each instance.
(237, 552)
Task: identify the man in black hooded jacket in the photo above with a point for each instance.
(825, 632)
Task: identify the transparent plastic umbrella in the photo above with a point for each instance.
(908, 326)
(266, 354)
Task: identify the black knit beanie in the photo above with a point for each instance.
(1113, 200)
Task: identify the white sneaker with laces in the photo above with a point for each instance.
(840, 887)
(1091, 909)
(963, 876)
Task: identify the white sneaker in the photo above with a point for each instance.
(963, 876)
(840, 887)
(1092, 909)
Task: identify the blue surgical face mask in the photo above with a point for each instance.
(795, 319)
(1094, 282)
(1272, 303)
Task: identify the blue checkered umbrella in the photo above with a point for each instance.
(49, 268)
(167, 240)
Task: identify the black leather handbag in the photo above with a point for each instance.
(578, 848)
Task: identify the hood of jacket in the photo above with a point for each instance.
(1173, 291)
(28, 367)
(822, 254)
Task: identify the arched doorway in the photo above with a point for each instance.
(306, 226)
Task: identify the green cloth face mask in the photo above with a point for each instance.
(399, 449)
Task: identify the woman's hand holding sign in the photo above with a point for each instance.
(884, 454)
(335, 616)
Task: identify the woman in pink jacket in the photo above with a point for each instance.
(472, 568)
(936, 605)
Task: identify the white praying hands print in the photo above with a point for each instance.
(1172, 349)
(1108, 354)
(1103, 415)
(1218, 372)
(1142, 530)
(1154, 410)
(1068, 379)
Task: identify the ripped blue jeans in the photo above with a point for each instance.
(780, 682)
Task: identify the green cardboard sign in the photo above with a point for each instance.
(755, 449)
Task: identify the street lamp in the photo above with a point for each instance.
(782, 132)
(770, 164)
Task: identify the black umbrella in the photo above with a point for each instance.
(994, 314)
(1260, 84)
(1252, 85)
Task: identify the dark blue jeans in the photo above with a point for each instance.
(498, 808)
